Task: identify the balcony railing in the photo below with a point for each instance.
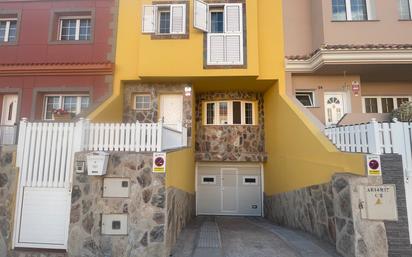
(8, 135)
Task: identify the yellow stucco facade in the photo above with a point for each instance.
(298, 154)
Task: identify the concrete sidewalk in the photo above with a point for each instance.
(209, 236)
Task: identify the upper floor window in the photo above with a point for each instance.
(216, 20)
(229, 113)
(164, 19)
(72, 28)
(8, 30)
(70, 103)
(357, 10)
(405, 9)
(383, 104)
(224, 26)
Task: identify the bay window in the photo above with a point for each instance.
(71, 103)
(232, 112)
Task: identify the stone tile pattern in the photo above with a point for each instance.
(309, 209)
(181, 209)
(397, 231)
(369, 239)
(330, 211)
(154, 90)
(230, 143)
(146, 209)
(8, 183)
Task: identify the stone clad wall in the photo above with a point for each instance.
(234, 142)
(146, 209)
(330, 212)
(8, 187)
(309, 209)
(181, 209)
(154, 90)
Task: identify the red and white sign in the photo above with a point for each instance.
(373, 163)
(355, 87)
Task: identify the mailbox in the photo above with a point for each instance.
(97, 163)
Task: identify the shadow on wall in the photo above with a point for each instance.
(299, 155)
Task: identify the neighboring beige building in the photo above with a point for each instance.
(349, 56)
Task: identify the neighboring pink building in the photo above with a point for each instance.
(54, 55)
(349, 56)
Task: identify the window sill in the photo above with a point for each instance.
(405, 20)
(169, 36)
(312, 107)
(8, 43)
(353, 21)
(225, 66)
(230, 125)
(71, 42)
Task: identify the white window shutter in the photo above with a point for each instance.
(200, 15)
(234, 51)
(178, 19)
(216, 51)
(149, 19)
(233, 18)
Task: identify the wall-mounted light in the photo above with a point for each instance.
(188, 91)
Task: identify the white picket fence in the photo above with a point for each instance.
(133, 137)
(375, 138)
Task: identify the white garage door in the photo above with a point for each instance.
(229, 189)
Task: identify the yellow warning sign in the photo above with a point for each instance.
(379, 201)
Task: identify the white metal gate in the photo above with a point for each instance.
(45, 155)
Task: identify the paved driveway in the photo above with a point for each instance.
(246, 237)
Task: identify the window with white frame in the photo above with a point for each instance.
(142, 102)
(224, 26)
(307, 98)
(383, 104)
(405, 9)
(357, 10)
(75, 28)
(229, 113)
(70, 103)
(8, 30)
(164, 19)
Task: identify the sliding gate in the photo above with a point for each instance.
(45, 157)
